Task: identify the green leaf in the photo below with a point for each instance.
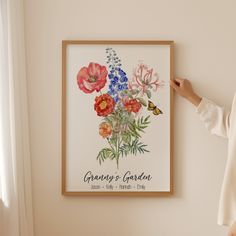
(105, 153)
(137, 126)
(142, 101)
(133, 148)
(149, 94)
(126, 137)
(113, 139)
(147, 118)
(134, 91)
(128, 93)
(133, 130)
(109, 119)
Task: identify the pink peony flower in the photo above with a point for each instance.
(92, 78)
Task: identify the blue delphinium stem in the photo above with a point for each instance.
(117, 76)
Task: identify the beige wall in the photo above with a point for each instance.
(205, 36)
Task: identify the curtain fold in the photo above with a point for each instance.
(15, 168)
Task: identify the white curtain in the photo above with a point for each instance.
(16, 218)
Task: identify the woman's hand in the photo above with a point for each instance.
(232, 229)
(184, 88)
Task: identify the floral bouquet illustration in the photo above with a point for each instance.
(122, 123)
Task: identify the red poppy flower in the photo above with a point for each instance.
(132, 105)
(104, 105)
(92, 78)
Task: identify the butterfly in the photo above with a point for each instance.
(155, 110)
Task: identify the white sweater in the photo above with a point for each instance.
(221, 122)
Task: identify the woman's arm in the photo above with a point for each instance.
(184, 88)
(215, 118)
(232, 229)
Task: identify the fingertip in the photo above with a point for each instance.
(173, 84)
(178, 79)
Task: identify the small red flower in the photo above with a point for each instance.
(104, 105)
(132, 105)
(92, 78)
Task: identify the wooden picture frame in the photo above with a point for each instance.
(128, 80)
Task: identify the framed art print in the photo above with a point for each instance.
(117, 118)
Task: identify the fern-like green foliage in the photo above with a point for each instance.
(133, 147)
(105, 153)
(125, 137)
(137, 126)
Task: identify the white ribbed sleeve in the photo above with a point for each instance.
(222, 122)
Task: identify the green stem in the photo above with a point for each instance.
(110, 144)
(117, 163)
(117, 153)
(115, 150)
